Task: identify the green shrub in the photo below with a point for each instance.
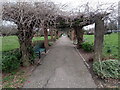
(109, 50)
(15, 53)
(32, 56)
(107, 69)
(10, 63)
(87, 46)
(11, 60)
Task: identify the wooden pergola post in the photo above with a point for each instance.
(119, 29)
(72, 35)
(79, 35)
(51, 34)
(46, 38)
(56, 34)
(99, 37)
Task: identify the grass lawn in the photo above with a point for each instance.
(11, 42)
(110, 44)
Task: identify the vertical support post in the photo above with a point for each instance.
(119, 29)
(46, 38)
(79, 35)
(99, 37)
(51, 34)
(1, 48)
(73, 35)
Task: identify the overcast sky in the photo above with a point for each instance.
(74, 3)
(78, 2)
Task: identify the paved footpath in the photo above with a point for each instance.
(61, 68)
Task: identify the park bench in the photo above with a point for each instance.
(39, 48)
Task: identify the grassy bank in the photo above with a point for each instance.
(11, 42)
(110, 44)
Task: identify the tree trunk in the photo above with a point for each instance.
(59, 34)
(99, 37)
(79, 35)
(72, 35)
(25, 54)
(56, 34)
(46, 38)
(119, 29)
(25, 40)
(51, 34)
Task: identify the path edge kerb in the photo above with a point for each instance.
(86, 64)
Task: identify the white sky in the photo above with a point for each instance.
(74, 3)
(71, 2)
(93, 3)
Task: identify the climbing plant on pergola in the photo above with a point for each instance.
(28, 16)
(98, 17)
(23, 15)
(81, 19)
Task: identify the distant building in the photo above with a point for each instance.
(89, 29)
(111, 31)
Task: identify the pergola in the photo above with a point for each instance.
(46, 15)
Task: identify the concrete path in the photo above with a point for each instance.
(61, 68)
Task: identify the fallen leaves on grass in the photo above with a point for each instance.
(16, 79)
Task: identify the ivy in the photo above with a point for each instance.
(107, 69)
